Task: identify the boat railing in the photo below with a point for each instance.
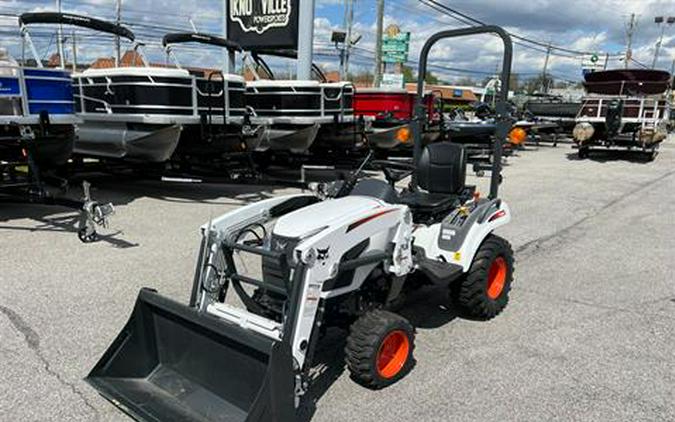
(197, 94)
(649, 110)
(340, 97)
(14, 87)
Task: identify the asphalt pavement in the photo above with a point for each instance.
(589, 333)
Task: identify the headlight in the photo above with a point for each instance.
(583, 131)
(403, 135)
(517, 135)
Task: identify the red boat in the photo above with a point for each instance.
(392, 111)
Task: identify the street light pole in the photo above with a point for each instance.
(378, 44)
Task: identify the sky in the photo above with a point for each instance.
(579, 25)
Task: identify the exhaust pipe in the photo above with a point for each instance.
(174, 363)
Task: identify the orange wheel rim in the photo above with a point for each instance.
(393, 354)
(496, 277)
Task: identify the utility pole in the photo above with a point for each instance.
(544, 87)
(629, 35)
(349, 17)
(659, 20)
(118, 13)
(59, 38)
(672, 68)
(378, 43)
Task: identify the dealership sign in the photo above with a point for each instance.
(261, 24)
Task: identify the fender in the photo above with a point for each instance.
(456, 239)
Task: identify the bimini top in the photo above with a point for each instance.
(77, 20)
(628, 82)
(186, 37)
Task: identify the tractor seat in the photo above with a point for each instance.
(426, 200)
(441, 178)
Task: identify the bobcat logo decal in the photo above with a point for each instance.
(322, 254)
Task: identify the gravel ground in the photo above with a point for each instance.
(589, 333)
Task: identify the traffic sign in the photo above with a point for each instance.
(395, 45)
(395, 57)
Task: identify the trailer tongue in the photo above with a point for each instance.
(171, 362)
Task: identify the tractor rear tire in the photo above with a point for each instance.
(379, 349)
(484, 292)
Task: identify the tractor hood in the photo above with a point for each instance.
(308, 220)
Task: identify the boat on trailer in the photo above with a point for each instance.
(392, 111)
(624, 109)
(220, 125)
(133, 113)
(37, 132)
(299, 114)
(37, 115)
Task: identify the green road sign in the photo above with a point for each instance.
(395, 57)
(395, 47)
(402, 36)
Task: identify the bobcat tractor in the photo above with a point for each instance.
(340, 257)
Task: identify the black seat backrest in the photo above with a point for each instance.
(442, 168)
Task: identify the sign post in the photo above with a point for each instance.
(306, 40)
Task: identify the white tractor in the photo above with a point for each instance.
(344, 257)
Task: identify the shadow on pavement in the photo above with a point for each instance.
(426, 309)
(610, 155)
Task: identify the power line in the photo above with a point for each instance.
(473, 21)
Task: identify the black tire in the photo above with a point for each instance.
(86, 237)
(474, 294)
(364, 345)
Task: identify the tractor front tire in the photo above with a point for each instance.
(379, 349)
(484, 292)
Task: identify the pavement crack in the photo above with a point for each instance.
(534, 246)
(32, 339)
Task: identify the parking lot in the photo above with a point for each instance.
(589, 333)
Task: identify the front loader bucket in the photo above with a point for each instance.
(173, 363)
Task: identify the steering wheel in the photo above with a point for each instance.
(394, 171)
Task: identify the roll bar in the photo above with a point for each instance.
(503, 117)
(76, 20)
(201, 38)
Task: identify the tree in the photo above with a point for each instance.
(466, 81)
(431, 78)
(408, 75)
